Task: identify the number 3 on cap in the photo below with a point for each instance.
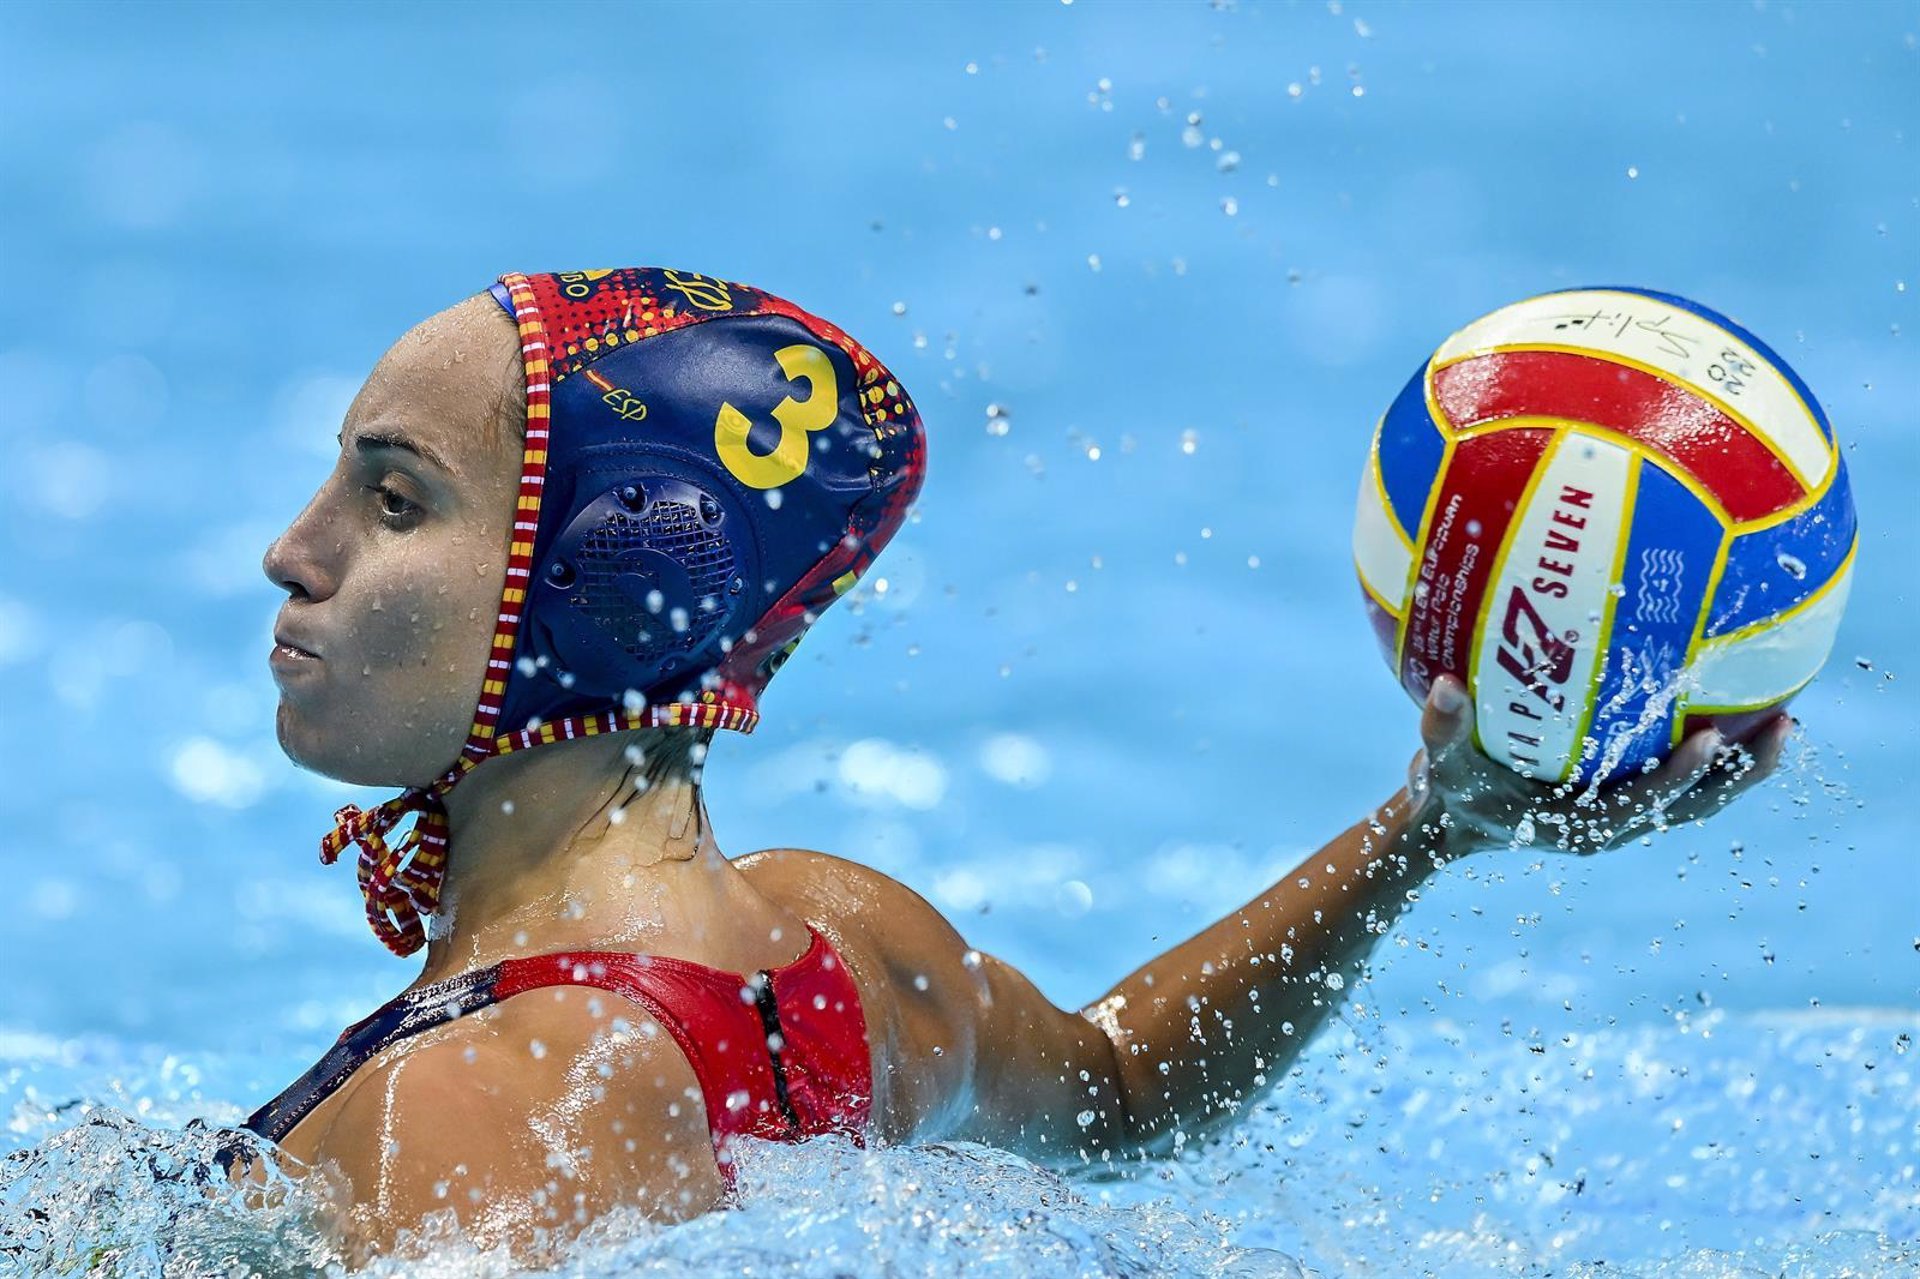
(797, 419)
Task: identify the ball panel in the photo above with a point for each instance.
(1772, 568)
(1383, 624)
(1381, 552)
(1544, 628)
(1686, 343)
(1673, 541)
(1773, 658)
(1465, 525)
(1746, 478)
(1410, 447)
(1740, 331)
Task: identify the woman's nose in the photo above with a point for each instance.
(294, 561)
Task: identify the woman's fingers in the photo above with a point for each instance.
(1677, 774)
(1703, 774)
(1697, 780)
(1738, 770)
(1447, 718)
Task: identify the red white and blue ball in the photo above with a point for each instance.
(1617, 515)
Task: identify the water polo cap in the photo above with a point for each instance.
(706, 468)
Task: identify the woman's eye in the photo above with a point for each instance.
(394, 507)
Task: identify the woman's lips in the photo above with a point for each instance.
(290, 659)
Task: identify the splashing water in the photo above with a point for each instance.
(112, 1196)
(1372, 1158)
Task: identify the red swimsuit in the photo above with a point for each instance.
(781, 1055)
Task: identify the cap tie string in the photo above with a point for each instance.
(399, 880)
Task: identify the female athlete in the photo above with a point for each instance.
(576, 524)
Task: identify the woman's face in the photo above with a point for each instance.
(394, 569)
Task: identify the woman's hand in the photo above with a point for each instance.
(1465, 801)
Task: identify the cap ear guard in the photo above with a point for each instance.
(650, 583)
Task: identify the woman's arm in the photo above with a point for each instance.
(1203, 1028)
(1191, 1037)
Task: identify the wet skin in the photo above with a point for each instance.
(519, 1124)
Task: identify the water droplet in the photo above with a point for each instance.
(1084, 1119)
(1189, 440)
(1795, 567)
(899, 308)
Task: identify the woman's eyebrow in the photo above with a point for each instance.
(364, 441)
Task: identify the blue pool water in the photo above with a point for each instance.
(1152, 273)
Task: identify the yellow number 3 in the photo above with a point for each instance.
(797, 419)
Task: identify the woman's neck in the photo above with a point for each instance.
(600, 843)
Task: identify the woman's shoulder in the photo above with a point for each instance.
(484, 1096)
(860, 909)
(857, 894)
(910, 966)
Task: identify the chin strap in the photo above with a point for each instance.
(399, 880)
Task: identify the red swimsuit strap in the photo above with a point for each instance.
(781, 1054)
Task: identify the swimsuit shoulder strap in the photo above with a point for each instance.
(780, 1054)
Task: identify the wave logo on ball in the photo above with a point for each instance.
(1617, 515)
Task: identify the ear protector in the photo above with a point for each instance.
(648, 580)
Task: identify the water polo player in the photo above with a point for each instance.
(575, 526)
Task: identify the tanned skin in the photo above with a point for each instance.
(519, 1124)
